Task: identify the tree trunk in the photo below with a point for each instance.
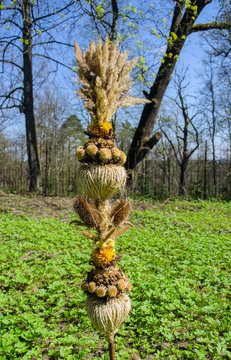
(205, 172)
(183, 167)
(143, 141)
(169, 175)
(214, 167)
(45, 190)
(32, 147)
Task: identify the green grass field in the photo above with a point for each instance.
(178, 258)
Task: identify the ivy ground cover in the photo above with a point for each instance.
(178, 257)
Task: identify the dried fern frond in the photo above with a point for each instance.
(105, 78)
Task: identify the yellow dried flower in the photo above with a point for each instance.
(103, 256)
(111, 242)
(106, 127)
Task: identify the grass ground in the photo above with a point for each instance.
(178, 257)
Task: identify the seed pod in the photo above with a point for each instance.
(104, 155)
(80, 153)
(84, 286)
(91, 150)
(87, 212)
(100, 292)
(123, 157)
(115, 153)
(129, 286)
(91, 287)
(120, 211)
(112, 291)
(122, 284)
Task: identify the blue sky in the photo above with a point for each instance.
(192, 56)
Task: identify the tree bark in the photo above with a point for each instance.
(183, 27)
(115, 12)
(183, 167)
(205, 172)
(32, 146)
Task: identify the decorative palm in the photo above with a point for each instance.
(105, 78)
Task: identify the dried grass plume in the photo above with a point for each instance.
(105, 78)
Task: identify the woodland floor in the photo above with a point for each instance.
(178, 257)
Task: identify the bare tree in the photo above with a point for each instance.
(29, 27)
(185, 133)
(183, 24)
(209, 106)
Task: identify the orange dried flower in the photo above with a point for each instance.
(103, 256)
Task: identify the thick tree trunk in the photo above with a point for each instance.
(32, 147)
(143, 141)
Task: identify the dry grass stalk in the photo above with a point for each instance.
(105, 78)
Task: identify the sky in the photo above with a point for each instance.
(192, 57)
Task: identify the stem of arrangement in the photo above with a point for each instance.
(112, 348)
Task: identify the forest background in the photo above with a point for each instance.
(180, 144)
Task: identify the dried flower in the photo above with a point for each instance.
(112, 291)
(105, 155)
(122, 284)
(80, 153)
(120, 211)
(100, 292)
(91, 150)
(103, 256)
(129, 286)
(91, 287)
(87, 212)
(105, 78)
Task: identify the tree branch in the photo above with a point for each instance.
(54, 60)
(54, 13)
(148, 145)
(114, 19)
(211, 26)
(172, 146)
(177, 15)
(12, 63)
(53, 42)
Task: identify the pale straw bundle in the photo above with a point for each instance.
(101, 182)
(107, 316)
